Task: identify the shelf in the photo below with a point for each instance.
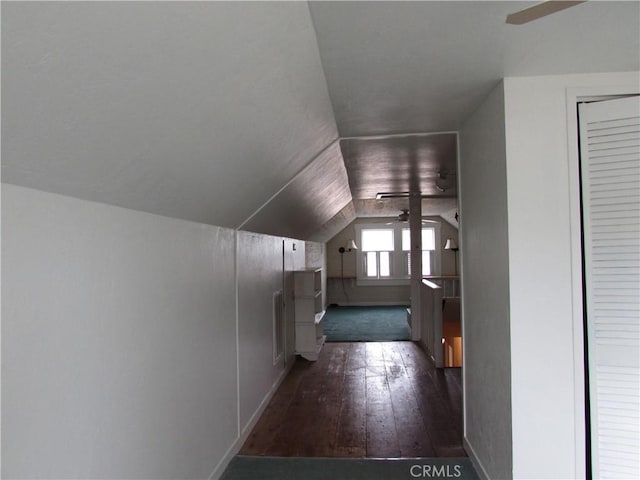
(309, 312)
(307, 282)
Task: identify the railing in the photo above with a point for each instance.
(449, 283)
(431, 320)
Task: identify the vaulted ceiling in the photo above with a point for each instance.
(194, 110)
(283, 118)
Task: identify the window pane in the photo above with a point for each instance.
(377, 240)
(428, 239)
(385, 270)
(426, 262)
(406, 240)
(372, 264)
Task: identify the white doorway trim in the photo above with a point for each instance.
(573, 97)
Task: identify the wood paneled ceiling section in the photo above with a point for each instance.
(398, 164)
(310, 200)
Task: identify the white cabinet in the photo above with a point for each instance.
(309, 312)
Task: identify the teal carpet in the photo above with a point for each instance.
(366, 324)
(288, 468)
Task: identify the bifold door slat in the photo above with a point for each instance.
(610, 166)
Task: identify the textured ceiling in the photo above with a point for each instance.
(336, 224)
(218, 111)
(389, 207)
(399, 164)
(310, 200)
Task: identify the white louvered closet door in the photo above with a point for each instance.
(610, 165)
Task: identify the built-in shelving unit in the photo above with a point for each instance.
(309, 312)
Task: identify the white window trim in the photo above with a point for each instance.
(397, 256)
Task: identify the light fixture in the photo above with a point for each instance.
(453, 246)
(385, 195)
(442, 182)
(351, 245)
(404, 216)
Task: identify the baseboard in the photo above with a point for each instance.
(425, 348)
(237, 444)
(475, 461)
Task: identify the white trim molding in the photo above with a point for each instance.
(475, 461)
(239, 441)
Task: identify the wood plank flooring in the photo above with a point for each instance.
(380, 400)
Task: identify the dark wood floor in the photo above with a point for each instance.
(383, 400)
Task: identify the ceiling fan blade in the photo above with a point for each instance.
(540, 10)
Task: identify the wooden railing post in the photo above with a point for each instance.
(431, 320)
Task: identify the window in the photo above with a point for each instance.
(428, 249)
(384, 256)
(377, 245)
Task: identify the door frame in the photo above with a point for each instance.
(573, 97)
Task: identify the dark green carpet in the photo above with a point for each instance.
(288, 468)
(366, 324)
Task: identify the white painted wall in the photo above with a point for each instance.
(546, 329)
(120, 335)
(260, 274)
(485, 286)
(118, 341)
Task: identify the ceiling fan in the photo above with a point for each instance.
(444, 181)
(540, 10)
(404, 217)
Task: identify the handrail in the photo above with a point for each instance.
(450, 284)
(430, 284)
